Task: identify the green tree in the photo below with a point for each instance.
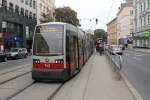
(66, 14)
(47, 18)
(100, 33)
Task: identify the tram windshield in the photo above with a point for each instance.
(48, 40)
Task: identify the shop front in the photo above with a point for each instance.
(142, 40)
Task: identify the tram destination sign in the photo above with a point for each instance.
(49, 30)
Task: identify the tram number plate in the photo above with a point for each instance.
(47, 65)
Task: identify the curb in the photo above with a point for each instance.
(134, 92)
(140, 51)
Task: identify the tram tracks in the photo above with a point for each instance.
(14, 69)
(15, 94)
(11, 88)
(13, 74)
(37, 91)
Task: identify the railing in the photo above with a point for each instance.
(116, 60)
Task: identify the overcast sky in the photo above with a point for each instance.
(91, 9)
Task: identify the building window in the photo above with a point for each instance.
(30, 14)
(17, 9)
(11, 6)
(34, 16)
(148, 19)
(26, 13)
(141, 7)
(4, 3)
(131, 12)
(144, 6)
(22, 11)
(30, 3)
(148, 3)
(144, 21)
(22, 1)
(34, 4)
(26, 2)
(141, 21)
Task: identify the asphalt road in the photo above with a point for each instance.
(136, 67)
(14, 63)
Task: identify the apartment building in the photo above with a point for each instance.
(112, 31)
(17, 22)
(45, 10)
(141, 23)
(125, 23)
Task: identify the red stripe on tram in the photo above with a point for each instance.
(48, 65)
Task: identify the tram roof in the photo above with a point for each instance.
(61, 23)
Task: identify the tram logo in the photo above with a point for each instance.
(46, 60)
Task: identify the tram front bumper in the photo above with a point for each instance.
(50, 74)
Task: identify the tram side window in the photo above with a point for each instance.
(70, 46)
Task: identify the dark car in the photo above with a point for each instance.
(3, 56)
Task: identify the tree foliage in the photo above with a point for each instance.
(47, 18)
(100, 33)
(66, 14)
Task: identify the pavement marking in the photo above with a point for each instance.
(135, 58)
(13, 69)
(131, 88)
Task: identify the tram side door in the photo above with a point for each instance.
(76, 57)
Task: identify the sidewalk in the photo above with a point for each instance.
(103, 84)
(96, 81)
(141, 50)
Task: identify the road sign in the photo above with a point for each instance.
(4, 24)
(146, 34)
(27, 32)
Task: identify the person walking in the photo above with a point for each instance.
(101, 49)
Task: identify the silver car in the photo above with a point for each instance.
(18, 53)
(116, 49)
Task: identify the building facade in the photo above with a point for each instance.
(125, 23)
(142, 23)
(17, 22)
(112, 32)
(45, 10)
(127, 1)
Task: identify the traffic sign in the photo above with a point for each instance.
(4, 24)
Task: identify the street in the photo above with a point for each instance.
(14, 64)
(136, 67)
(95, 81)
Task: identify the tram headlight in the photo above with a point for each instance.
(60, 61)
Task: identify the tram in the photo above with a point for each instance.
(60, 50)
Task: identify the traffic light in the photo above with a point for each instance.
(96, 21)
(4, 31)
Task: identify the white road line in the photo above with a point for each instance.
(137, 58)
(14, 68)
(131, 88)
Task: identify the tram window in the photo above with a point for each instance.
(48, 41)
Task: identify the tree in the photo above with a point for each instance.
(100, 33)
(47, 17)
(66, 14)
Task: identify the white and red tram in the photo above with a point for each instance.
(59, 51)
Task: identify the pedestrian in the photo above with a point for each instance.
(101, 49)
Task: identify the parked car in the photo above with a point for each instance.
(17, 53)
(116, 49)
(3, 56)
